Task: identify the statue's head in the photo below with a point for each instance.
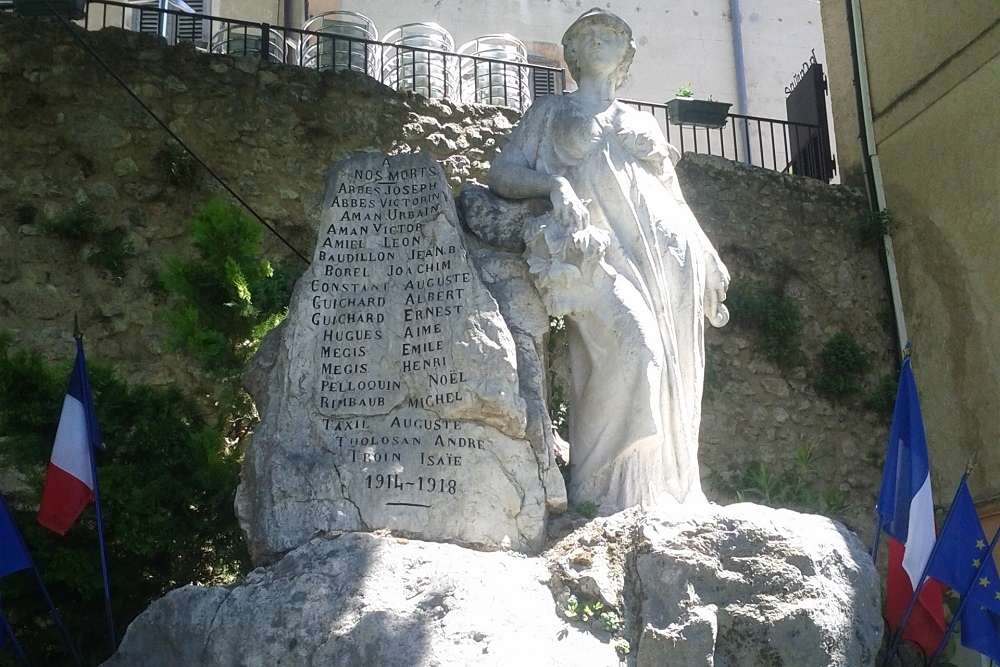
(610, 25)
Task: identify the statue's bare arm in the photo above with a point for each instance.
(512, 177)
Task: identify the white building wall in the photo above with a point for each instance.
(679, 41)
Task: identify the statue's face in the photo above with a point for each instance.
(599, 50)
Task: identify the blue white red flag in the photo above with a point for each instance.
(69, 480)
(907, 511)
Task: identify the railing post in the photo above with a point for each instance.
(265, 42)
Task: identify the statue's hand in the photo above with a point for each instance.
(716, 284)
(568, 209)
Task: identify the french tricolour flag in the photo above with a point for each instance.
(69, 481)
(907, 513)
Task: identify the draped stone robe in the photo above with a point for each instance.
(632, 289)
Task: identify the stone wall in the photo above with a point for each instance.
(779, 230)
(70, 134)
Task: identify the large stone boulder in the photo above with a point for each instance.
(363, 600)
(743, 586)
(748, 586)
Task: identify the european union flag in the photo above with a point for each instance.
(963, 560)
(13, 557)
(981, 631)
(962, 549)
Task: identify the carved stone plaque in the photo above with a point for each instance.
(389, 397)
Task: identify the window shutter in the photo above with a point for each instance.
(189, 28)
(543, 82)
(146, 18)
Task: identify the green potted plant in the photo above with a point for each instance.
(684, 109)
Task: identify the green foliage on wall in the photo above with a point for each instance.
(841, 366)
(882, 398)
(167, 482)
(774, 315)
(109, 247)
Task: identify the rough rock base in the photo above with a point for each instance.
(743, 586)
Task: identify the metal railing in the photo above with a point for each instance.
(770, 143)
(779, 145)
(298, 47)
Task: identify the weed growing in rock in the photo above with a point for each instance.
(109, 247)
(177, 165)
(882, 398)
(558, 411)
(870, 229)
(610, 621)
(587, 509)
(77, 223)
(841, 366)
(799, 486)
(774, 315)
(586, 611)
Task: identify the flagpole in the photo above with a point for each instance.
(9, 631)
(964, 600)
(898, 635)
(45, 593)
(878, 535)
(78, 335)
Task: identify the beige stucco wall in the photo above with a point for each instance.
(934, 72)
(907, 41)
(942, 181)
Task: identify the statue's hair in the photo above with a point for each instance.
(599, 18)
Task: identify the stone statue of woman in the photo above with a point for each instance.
(622, 257)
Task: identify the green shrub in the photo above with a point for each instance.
(841, 366)
(166, 480)
(774, 315)
(224, 300)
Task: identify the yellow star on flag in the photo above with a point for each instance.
(998, 595)
(980, 544)
(984, 582)
(976, 563)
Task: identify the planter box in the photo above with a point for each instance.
(683, 111)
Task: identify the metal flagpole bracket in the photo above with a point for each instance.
(972, 463)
